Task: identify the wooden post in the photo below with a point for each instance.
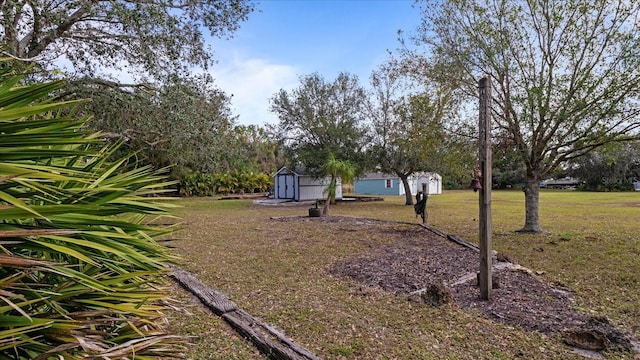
(484, 152)
(426, 197)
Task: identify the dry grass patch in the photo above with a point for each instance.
(278, 271)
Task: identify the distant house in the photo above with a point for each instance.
(296, 185)
(636, 185)
(564, 183)
(386, 184)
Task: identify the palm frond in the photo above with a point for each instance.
(80, 271)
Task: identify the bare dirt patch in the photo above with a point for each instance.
(416, 259)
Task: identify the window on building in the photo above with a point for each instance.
(387, 183)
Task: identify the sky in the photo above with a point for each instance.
(285, 39)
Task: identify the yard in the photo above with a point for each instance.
(299, 274)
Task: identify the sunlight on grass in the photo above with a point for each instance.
(277, 270)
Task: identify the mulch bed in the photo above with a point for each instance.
(419, 261)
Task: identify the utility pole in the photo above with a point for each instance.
(484, 152)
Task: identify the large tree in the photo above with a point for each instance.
(409, 133)
(257, 151)
(565, 73)
(610, 168)
(320, 118)
(184, 122)
(154, 36)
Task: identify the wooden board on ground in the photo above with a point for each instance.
(267, 339)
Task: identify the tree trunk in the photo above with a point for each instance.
(531, 203)
(331, 195)
(325, 208)
(407, 189)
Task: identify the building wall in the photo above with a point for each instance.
(434, 184)
(413, 185)
(314, 189)
(378, 187)
(290, 185)
(285, 186)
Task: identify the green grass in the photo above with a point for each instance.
(277, 271)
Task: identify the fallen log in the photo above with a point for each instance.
(434, 230)
(271, 342)
(462, 242)
(215, 301)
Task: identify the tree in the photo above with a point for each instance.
(186, 123)
(320, 118)
(409, 133)
(565, 73)
(335, 169)
(507, 166)
(257, 150)
(153, 37)
(610, 168)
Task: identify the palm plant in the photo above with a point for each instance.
(335, 169)
(80, 271)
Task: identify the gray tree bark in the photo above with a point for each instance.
(407, 189)
(531, 203)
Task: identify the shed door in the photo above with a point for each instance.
(285, 187)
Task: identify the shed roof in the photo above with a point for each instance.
(377, 175)
(298, 170)
(380, 175)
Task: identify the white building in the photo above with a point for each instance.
(297, 186)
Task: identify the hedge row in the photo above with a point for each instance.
(233, 182)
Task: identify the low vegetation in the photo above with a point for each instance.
(232, 182)
(278, 271)
(81, 276)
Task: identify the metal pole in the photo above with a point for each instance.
(424, 210)
(484, 152)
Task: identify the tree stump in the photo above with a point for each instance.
(435, 294)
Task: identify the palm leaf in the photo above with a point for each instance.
(80, 271)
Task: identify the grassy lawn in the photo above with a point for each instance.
(278, 271)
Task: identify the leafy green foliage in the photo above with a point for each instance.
(236, 182)
(321, 118)
(186, 123)
(564, 73)
(256, 150)
(410, 127)
(336, 169)
(508, 169)
(611, 168)
(80, 271)
(155, 37)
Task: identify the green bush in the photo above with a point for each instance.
(233, 182)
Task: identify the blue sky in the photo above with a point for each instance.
(285, 39)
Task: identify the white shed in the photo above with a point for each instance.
(432, 180)
(297, 186)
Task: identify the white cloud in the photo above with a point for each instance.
(252, 82)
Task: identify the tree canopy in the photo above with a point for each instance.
(186, 123)
(320, 118)
(154, 36)
(611, 168)
(408, 132)
(565, 73)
